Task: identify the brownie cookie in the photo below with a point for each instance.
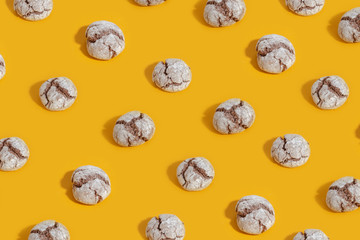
(222, 13)
(149, 2)
(14, 153)
(173, 75)
(305, 7)
(195, 174)
(166, 226)
(255, 214)
(344, 195)
(233, 116)
(33, 10)
(330, 92)
(105, 40)
(311, 234)
(91, 185)
(133, 129)
(275, 53)
(292, 150)
(58, 94)
(349, 26)
(2, 67)
(49, 230)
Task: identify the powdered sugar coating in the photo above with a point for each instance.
(222, 13)
(33, 10)
(49, 230)
(14, 153)
(349, 26)
(311, 234)
(149, 2)
(2, 67)
(305, 7)
(165, 227)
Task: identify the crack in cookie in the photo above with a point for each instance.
(46, 233)
(16, 152)
(326, 82)
(354, 22)
(88, 178)
(223, 9)
(346, 195)
(233, 117)
(133, 129)
(58, 88)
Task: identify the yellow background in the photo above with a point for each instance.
(144, 184)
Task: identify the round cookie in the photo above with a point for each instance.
(149, 2)
(2, 67)
(305, 7)
(222, 13)
(105, 40)
(133, 129)
(233, 116)
(58, 94)
(49, 230)
(275, 53)
(33, 10)
(14, 153)
(330, 92)
(349, 26)
(344, 195)
(292, 150)
(195, 174)
(255, 214)
(91, 185)
(173, 75)
(311, 234)
(166, 226)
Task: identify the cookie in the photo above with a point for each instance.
(49, 230)
(330, 92)
(149, 2)
(255, 214)
(33, 10)
(2, 67)
(275, 53)
(195, 174)
(233, 116)
(349, 26)
(166, 226)
(305, 7)
(172, 75)
(291, 151)
(91, 185)
(311, 234)
(222, 13)
(14, 153)
(133, 129)
(58, 94)
(344, 195)
(105, 40)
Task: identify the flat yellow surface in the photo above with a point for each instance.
(144, 184)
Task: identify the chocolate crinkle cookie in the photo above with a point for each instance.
(311, 234)
(2, 67)
(49, 230)
(349, 26)
(14, 153)
(165, 227)
(149, 2)
(222, 13)
(305, 7)
(33, 10)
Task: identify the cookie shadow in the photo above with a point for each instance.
(171, 172)
(291, 236)
(10, 5)
(67, 185)
(306, 92)
(283, 4)
(34, 93)
(208, 118)
(230, 213)
(267, 149)
(108, 130)
(81, 40)
(357, 132)
(250, 52)
(148, 73)
(198, 11)
(24, 234)
(333, 26)
(132, 2)
(142, 227)
(321, 196)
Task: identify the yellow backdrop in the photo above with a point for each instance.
(144, 184)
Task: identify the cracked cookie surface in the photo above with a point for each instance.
(233, 116)
(2, 67)
(33, 10)
(349, 26)
(311, 234)
(344, 195)
(305, 7)
(172, 75)
(105, 40)
(275, 53)
(195, 174)
(222, 13)
(330, 92)
(255, 214)
(149, 2)
(58, 94)
(292, 150)
(14, 153)
(133, 129)
(49, 230)
(91, 185)
(165, 227)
